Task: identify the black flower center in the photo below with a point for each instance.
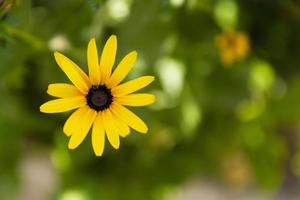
(99, 97)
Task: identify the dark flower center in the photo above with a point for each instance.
(99, 97)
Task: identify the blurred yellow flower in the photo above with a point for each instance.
(99, 98)
(233, 46)
(236, 170)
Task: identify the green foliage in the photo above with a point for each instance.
(204, 112)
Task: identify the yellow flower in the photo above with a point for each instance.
(233, 46)
(99, 98)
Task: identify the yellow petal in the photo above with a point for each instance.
(63, 90)
(73, 72)
(123, 128)
(82, 129)
(63, 105)
(110, 129)
(122, 69)
(136, 99)
(228, 57)
(98, 135)
(132, 86)
(93, 62)
(107, 59)
(74, 120)
(129, 118)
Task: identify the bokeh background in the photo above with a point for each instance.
(226, 124)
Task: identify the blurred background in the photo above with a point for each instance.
(226, 124)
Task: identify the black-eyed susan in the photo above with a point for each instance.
(233, 46)
(99, 98)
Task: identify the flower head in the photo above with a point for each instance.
(99, 98)
(233, 46)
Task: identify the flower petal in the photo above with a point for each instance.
(98, 135)
(129, 118)
(63, 90)
(122, 69)
(73, 72)
(93, 62)
(136, 99)
(74, 120)
(63, 105)
(123, 128)
(107, 59)
(132, 86)
(110, 129)
(82, 128)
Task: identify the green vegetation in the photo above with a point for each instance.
(236, 123)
